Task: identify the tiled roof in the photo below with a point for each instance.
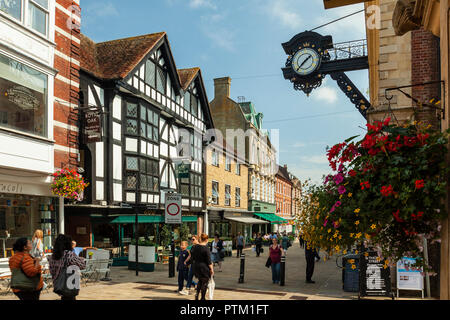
(282, 172)
(115, 59)
(186, 76)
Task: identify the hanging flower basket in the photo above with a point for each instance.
(68, 184)
(386, 193)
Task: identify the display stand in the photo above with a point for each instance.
(409, 278)
(374, 278)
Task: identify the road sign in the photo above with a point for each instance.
(182, 170)
(173, 208)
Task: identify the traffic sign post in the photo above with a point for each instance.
(172, 215)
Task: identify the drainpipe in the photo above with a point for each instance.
(61, 215)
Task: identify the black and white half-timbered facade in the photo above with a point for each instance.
(151, 116)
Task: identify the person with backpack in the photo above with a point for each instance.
(61, 263)
(26, 271)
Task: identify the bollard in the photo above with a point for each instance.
(241, 275)
(282, 270)
(172, 261)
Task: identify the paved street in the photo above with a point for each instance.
(257, 283)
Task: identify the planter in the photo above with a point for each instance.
(146, 258)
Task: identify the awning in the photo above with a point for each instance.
(271, 217)
(246, 220)
(149, 219)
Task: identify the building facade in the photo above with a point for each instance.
(227, 193)
(39, 62)
(241, 126)
(153, 117)
(283, 198)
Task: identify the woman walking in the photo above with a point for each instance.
(217, 253)
(23, 263)
(38, 245)
(258, 244)
(203, 268)
(275, 252)
(194, 240)
(63, 256)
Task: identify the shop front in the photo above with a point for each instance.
(23, 210)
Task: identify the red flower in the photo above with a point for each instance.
(365, 185)
(352, 173)
(417, 216)
(396, 216)
(420, 184)
(387, 191)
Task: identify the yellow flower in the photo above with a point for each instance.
(351, 235)
(340, 237)
(366, 254)
(340, 197)
(350, 194)
(345, 251)
(373, 226)
(385, 266)
(378, 259)
(357, 210)
(367, 236)
(329, 230)
(357, 222)
(351, 261)
(353, 267)
(356, 251)
(337, 248)
(358, 235)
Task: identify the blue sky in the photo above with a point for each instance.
(242, 39)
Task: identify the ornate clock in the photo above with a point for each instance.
(306, 61)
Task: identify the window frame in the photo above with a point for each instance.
(227, 199)
(215, 199)
(237, 200)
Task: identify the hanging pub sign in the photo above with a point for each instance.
(182, 170)
(374, 276)
(92, 126)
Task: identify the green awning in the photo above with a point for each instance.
(148, 219)
(271, 217)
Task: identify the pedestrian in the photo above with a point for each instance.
(203, 267)
(25, 268)
(239, 244)
(310, 255)
(258, 244)
(275, 253)
(183, 267)
(37, 251)
(285, 242)
(217, 253)
(194, 240)
(300, 239)
(64, 256)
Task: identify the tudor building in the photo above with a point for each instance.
(152, 115)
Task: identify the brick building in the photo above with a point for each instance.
(283, 198)
(227, 193)
(39, 61)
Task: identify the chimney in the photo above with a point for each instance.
(285, 166)
(222, 87)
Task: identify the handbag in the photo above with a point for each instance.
(211, 287)
(268, 262)
(22, 282)
(60, 284)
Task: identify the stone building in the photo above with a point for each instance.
(39, 81)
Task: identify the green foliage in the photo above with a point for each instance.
(165, 235)
(184, 232)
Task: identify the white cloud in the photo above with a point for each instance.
(202, 4)
(325, 94)
(223, 38)
(282, 11)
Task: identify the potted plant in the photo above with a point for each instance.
(146, 252)
(68, 184)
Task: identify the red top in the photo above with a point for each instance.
(275, 254)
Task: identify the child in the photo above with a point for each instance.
(182, 267)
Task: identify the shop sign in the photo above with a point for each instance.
(23, 98)
(182, 170)
(173, 208)
(8, 187)
(92, 126)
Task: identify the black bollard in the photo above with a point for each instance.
(241, 275)
(172, 260)
(282, 270)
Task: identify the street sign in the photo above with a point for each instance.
(374, 277)
(173, 208)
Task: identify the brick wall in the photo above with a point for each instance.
(425, 66)
(66, 90)
(283, 197)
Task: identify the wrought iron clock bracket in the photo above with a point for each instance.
(352, 92)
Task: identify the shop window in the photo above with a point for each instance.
(23, 97)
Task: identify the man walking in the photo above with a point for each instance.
(310, 255)
(239, 244)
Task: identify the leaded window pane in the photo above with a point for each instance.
(155, 184)
(143, 181)
(161, 81)
(155, 134)
(131, 180)
(149, 131)
(155, 119)
(143, 113)
(143, 130)
(142, 165)
(185, 190)
(187, 101)
(132, 109)
(194, 105)
(131, 126)
(132, 163)
(149, 116)
(150, 73)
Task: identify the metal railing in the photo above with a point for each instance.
(348, 50)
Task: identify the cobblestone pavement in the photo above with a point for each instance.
(257, 282)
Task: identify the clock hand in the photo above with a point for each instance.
(305, 61)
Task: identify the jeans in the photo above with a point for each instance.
(276, 272)
(31, 296)
(189, 278)
(239, 250)
(258, 250)
(182, 275)
(309, 264)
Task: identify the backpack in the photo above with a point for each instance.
(67, 284)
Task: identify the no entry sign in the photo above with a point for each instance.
(173, 208)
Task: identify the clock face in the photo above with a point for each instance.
(306, 61)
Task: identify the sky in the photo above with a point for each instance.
(242, 39)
